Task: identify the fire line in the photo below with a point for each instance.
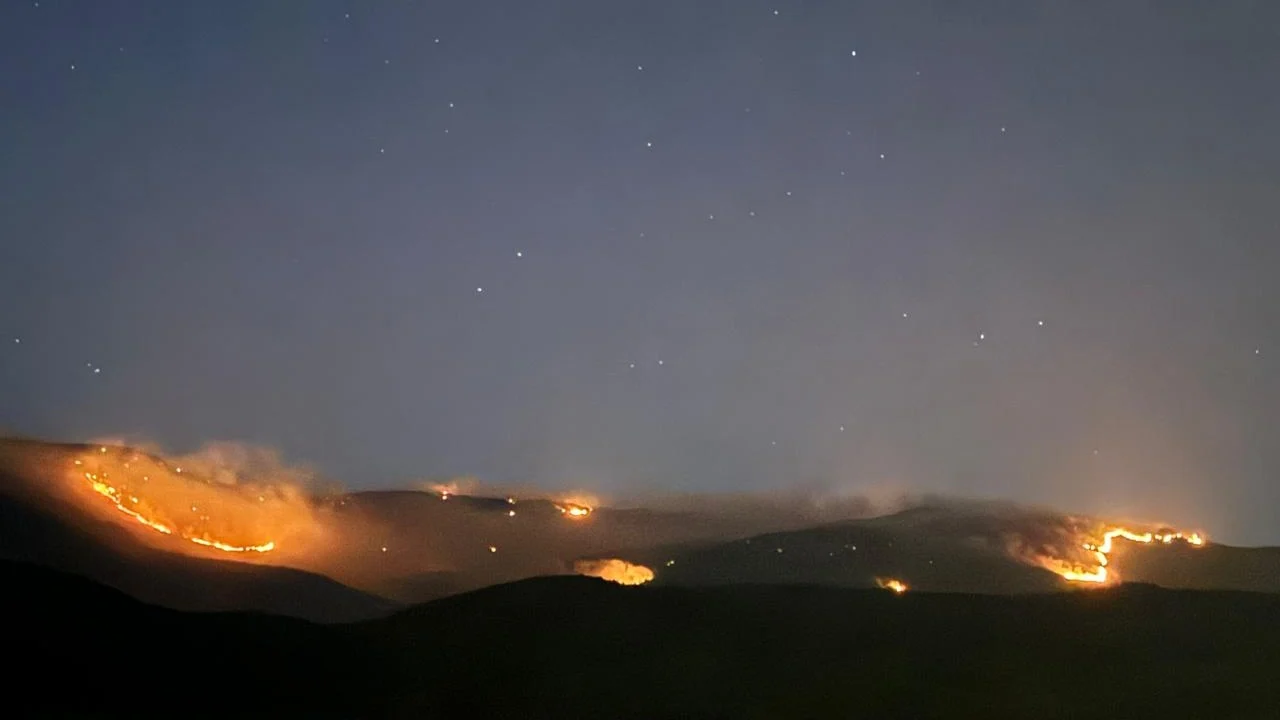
(99, 485)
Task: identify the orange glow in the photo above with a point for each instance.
(893, 584)
(614, 570)
(574, 510)
(133, 506)
(1101, 572)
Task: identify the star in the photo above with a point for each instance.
(853, 53)
(640, 67)
(519, 254)
(479, 289)
(881, 156)
(17, 341)
(648, 144)
(1040, 323)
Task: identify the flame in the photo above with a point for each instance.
(574, 510)
(1101, 572)
(98, 483)
(614, 570)
(893, 584)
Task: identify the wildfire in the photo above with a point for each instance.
(893, 584)
(614, 570)
(1101, 573)
(574, 510)
(99, 484)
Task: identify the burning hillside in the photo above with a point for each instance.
(614, 570)
(242, 504)
(1098, 569)
(179, 504)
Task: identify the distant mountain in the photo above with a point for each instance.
(355, 549)
(852, 554)
(572, 647)
(1213, 567)
(437, 547)
(964, 547)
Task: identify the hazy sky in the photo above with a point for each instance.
(1018, 249)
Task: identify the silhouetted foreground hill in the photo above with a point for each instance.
(575, 647)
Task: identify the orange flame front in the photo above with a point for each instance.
(99, 484)
(1101, 572)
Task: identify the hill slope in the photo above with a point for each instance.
(570, 647)
(39, 527)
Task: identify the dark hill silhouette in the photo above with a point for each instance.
(571, 647)
(84, 650)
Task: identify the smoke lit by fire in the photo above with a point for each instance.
(196, 501)
(893, 584)
(243, 503)
(614, 570)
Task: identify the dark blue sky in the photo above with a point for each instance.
(1016, 249)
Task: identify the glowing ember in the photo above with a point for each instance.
(573, 510)
(1100, 573)
(614, 570)
(100, 485)
(893, 584)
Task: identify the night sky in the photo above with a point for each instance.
(1014, 249)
